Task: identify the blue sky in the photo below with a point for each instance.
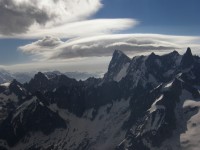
(89, 29)
(179, 17)
(9, 53)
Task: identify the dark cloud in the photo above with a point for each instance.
(18, 18)
(49, 41)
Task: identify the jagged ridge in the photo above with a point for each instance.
(150, 89)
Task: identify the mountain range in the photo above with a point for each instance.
(144, 103)
(23, 77)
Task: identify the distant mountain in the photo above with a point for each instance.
(144, 103)
(6, 76)
(23, 77)
(82, 75)
(75, 75)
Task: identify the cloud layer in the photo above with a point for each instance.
(104, 45)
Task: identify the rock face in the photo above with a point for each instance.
(187, 59)
(32, 115)
(118, 67)
(144, 103)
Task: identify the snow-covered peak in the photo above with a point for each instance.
(118, 56)
(118, 67)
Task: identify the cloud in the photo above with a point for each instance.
(84, 28)
(22, 16)
(17, 17)
(104, 45)
(25, 19)
(77, 65)
(43, 47)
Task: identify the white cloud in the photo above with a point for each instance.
(22, 16)
(60, 18)
(104, 45)
(83, 28)
(41, 47)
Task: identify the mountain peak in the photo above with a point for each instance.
(117, 51)
(119, 60)
(187, 59)
(40, 76)
(175, 52)
(152, 56)
(14, 81)
(118, 54)
(188, 51)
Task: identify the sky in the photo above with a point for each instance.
(81, 35)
